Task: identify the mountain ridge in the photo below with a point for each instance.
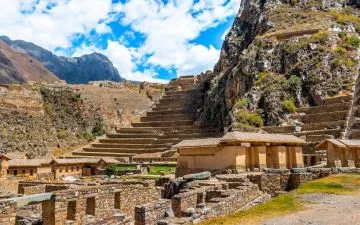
(75, 70)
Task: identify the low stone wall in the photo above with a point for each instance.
(32, 189)
(190, 199)
(131, 196)
(148, 214)
(7, 212)
(9, 186)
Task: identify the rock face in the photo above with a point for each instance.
(280, 55)
(78, 70)
(18, 67)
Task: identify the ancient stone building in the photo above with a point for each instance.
(30, 168)
(4, 165)
(239, 152)
(341, 153)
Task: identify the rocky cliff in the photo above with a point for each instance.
(280, 55)
(18, 67)
(78, 70)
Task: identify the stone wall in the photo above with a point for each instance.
(9, 185)
(7, 212)
(31, 189)
(131, 196)
(183, 201)
(152, 212)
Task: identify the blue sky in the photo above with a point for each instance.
(151, 40)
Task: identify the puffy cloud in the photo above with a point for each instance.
(168, 30)
(51, 23)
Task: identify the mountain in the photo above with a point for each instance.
(280, 55)
(17, 67)
(77, 70)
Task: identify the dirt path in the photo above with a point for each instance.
(323, 209)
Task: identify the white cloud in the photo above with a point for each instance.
(50, 25)
(168, 28)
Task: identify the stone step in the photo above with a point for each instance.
(323, 125)
(130, 152)
(130, 135)
(279, 129)
(164, 123)
(175, 129)
(127, 140)
(136, 131)
(166, 113)
(183, 101)
(184, 97)
(175, 117)
(182, 108)
(192, 135)
(318, 138)
(325, 108)
(130, 146)
(338, 99)
(321, 117)
(182, 93)
(104, 154)
(183, 87)
(334, 132)
(174, 105)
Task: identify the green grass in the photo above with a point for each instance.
(290, 202)
(157, 170)
(283, 204)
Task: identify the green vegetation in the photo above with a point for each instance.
(289, 105)
(319, 38)
(45, 92)
(155, 170)
(353, 41)
(290, 202)
(63, 134)
(160, 169)
(98, 128)
(249, 119)
(344, 17)
(241, 103)
(283, 204)
(48, 109)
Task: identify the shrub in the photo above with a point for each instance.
(261, 77)
(353, 41)
(241, 103)
(48, 109)
(289, 105)
(45, 92)
(111, 169)
(293, 85)
(98, 128)
(251, 119)
(63, 134)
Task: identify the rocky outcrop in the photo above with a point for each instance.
(280, 55)
(18, 67)
(77, 70)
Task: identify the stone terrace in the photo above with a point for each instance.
(327, 120)
(171, 120)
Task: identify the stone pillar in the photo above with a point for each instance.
(261, 155)
(8, 212)
(295, 158)
(281, 152)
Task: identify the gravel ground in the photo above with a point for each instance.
(323, 209)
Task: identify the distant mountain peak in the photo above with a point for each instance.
(77, 70)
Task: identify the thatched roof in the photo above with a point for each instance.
(237, 136)
(17, 155)
(344, 144)
(242, 137)
(199, 143)
(76, 161)
(323, 144)
(109, 160)
(28, 162)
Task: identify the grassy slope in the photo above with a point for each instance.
(289, 203)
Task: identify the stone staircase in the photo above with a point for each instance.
(170, 121)
(324, 121)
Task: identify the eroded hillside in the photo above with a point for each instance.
(280, 55)
(46, 119)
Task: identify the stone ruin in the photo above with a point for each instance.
(185, 200)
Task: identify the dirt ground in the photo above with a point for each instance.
(323, 209)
